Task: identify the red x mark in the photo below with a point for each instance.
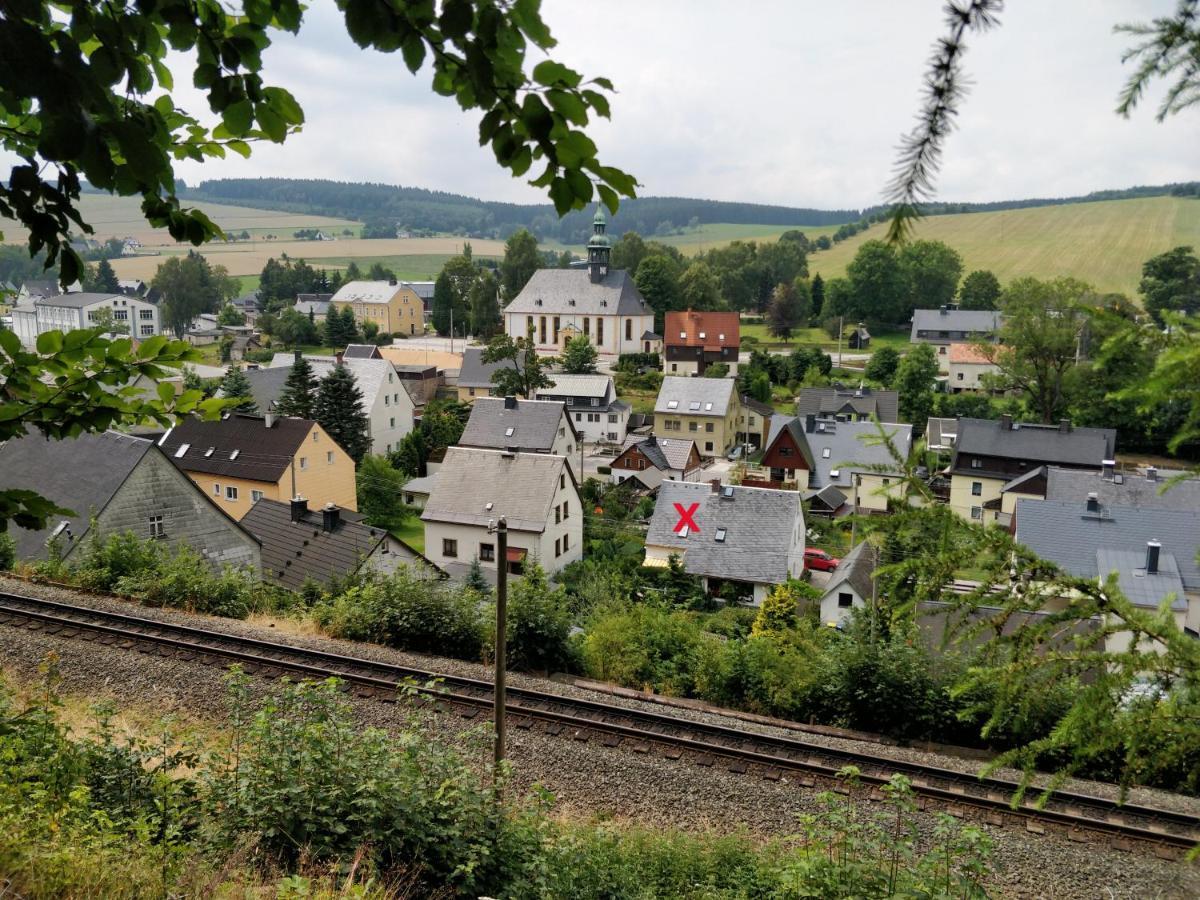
(685, 518)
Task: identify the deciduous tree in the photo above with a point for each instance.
(187, 290)
(579, 356)
(783, 314)
(915, 379)
(933, 270)
(1171, 283)
(880, 287)
(524, 373)
(657, 280)
(699, 288)
(979, 290)
(883, 365)
(485, 306)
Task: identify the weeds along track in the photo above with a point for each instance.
(1080, 817)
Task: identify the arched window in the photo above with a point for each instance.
(629, 329)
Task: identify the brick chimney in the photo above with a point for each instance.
(1064, 426)
(330, 516)
(510, 402)
(299, 508)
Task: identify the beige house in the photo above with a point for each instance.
(392, 305)
(536, 494)
(242, 459)
(967, 366)
(705, 410)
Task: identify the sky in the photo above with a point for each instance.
(794, 103)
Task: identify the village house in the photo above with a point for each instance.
(248, 305)
(989, 454)
(240, 459)
(844, 454)
(597, 302)
(422, 384)
(852, 585)
(592, 404)
(705, 410)
(849, 404)
(39, 288)
(693, 341)
(475, 376)
(361, 351)
(127, 484)
(315, 306)
(386, 401)
(754, 422)
(652, 460)
(525, 426)
(392, 305)
(967, 364)
(536, 494)
(301, 544)
(69, 312)
(787, 456)
(742, 541)
(857, 338)
(944, 326)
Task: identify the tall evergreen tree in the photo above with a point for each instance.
(104, 279)
(235, 385)
(299, 395)
(350, 333)
(818, 296)
(334, 331)
(485, 307)
(443, 303)
(339, 409)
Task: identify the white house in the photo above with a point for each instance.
(602, 304)
(537, 495)
(68, 312)
(592, 405)
(745, 538)
(852, 585)
(967, 364)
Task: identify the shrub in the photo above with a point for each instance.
(183, 580)
(631, 362)
(409, 611)
(717, 370)
(539, 624)
(643, 646)
(8, 552)
(106, 560)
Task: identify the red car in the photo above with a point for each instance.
(819, 560)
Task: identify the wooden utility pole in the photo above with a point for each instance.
(501, 639)
(841, 328)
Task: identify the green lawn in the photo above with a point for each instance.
(412, 532)
(641, 401)
(818, 337)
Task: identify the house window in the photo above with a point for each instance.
(825, 453)
(557, 514)
(408, 499)
(562, 482)
(470, 392)
(529, 325)
(720, 536)
(845, 600)
(216, 490)
(316, 434)
(303, 463)
(587, 327)
(542, 329)
(566, 511)
(785, 451)
(708, 426)
(976, 488)
(487, 552)
(329, 458)
(599, 330)
(449, 547)
(708, 445)
(595, 401)
(612, 418)
(693, 426)
(255, 496)
(387, 401)
(146, 315)
(674, 368)
(231, 492)
(147, 330)
(556, 330)
(960, 376)
(752, 421)
(593, 417)
(157, 530)
(976, 512)
(564, 539)
(557, 547)
(976, 463)
(629, 329)
(578, 417)
(121, 315)
(392, 422)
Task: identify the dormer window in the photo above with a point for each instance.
(694, 406)
(703, 335)
(720, 337)
(508, 432)
(825, 453)
(570, 302)
(537, 302)
(182, 451)
(671, 404)
(683, 335)
(721, 535)
(708, 407)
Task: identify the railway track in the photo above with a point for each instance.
(1079, 817)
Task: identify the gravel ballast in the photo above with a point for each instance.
(588, 779)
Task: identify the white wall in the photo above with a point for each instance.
(391, 402)
(602, 429)
(831, 612)
(613, 340)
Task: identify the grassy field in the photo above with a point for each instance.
(1102, 243)
(122, 217)
(413, 533)
(717, 234)
(809, 337)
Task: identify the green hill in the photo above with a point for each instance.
(1103, 243)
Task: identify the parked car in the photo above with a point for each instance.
(735, 453)
(819, 560)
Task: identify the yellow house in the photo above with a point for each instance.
(392, 305)
(704, 410)
(242, 459)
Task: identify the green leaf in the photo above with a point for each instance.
(283, 103)
(598, 102)
(237, 117)
(609, 197)
(412, 48)
(240, 147)
(9, 343)
(457, 18)
(562, 195)
(49, 342)
(553, 74)
(569, 106)
(166, 392)
(527, 15)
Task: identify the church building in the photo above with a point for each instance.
(600, 303)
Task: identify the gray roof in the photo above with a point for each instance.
(80, 474)
(519, 486)
(649, 335)
(1143, 588)
(534, 424)
(979, 321)
(1132, 489)
(795, 426)
(850, 449)
(238, 446)
(577, 386)
(1066, 534)
(475, 372)
(940, 432)
(1035, 443)
(695, 396)
(77, 300)
(362, 351)
(1023, 481)
(858, 568)
(572, 292)
(831, 497)
(267, 384)
(41, 287)
(663, 453)
(369, 374)
(864, 401)
(758, 523)
(293, 552)
(421, 485)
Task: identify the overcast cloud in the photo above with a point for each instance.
(793, 103)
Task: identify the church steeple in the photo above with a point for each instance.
(598, 248)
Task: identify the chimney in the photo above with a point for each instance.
(650, 440)
(810, 423)
(942, 310)
(1064, 426)
(299, 508)
(715, 483)
(1093, 502)
(1006, 423)
(392, 282)
(330, 515)
(1107, 469)
(269, 420)
(1152, 551)
(1151, 473)
(510, 402)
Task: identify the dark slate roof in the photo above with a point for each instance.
(758, 524)
(475, 372)
(649, 335)
(519, 486)
(978, 321)
(1024, 481)
(1130, 490)
(863, 401)
(858, 568)
(534, 424)
(941, 432)
(80, 474)
(830, 497)
(242, 446)
(1034, 443)
(766, 410)
(362, 351)
(77, 300)
(41, 287)
(267, 384)
(1065, 533)
(849, 445)
(663, 453)
(795, 427)
(295, 551)
(571, 291)
(1143, 588)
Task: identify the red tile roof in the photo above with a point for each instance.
(710, 330)
(968, 353)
